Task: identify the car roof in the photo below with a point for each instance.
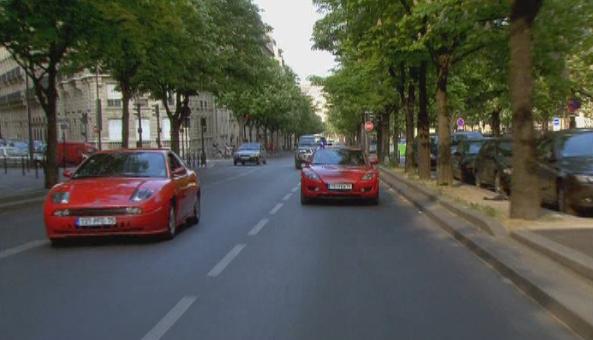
(133, 151)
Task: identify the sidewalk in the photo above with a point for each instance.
(540, 257)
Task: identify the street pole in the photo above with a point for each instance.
(203, 128)
(158, 126)
(139, 143)
(29, 117)
(99, 118)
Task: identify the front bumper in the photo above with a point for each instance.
(149, 223)
(247, 158)
(319, 189)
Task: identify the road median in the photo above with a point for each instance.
(550, 283)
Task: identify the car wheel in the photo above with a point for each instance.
(304, 199)
(243, 163)
(258, 162)
(563, 203)
(265, 161)
(297, 165)
(171, 223)
(235, 163)
(195, 218)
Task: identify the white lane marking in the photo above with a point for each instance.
(276, 208)
(295, 189)
(256, 229)
(286, 197)
(226, 260)
(23, 247)
(170, 318)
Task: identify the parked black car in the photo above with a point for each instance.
(565, 169)
(464, 158)
(493, 165)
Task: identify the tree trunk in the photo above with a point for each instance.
(383, 138)
(495, 122)
(175, 129)
(410, 103)
(444, 170)
(396, 155)
(125, 117)
(525, 198)
(423, 125)
(51, 165)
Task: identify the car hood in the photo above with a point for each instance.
(335, 173)
(577, 165)
(107, 191)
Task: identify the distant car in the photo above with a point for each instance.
(250, 153)
(464, 158)
(565, 169)
(462, 135)
(12, 152)
(339, 173)
(307, 145)
(73, 153)
(124, 192)
(493, 165)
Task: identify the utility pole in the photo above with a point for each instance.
(139, 142)
(85, 122)
(203, 128)
(99, 118)
(158, 126)
(29, 117)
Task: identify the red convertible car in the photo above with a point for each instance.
(124, 192)
(339, 173)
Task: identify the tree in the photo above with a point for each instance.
(525, 202)
(43, 36)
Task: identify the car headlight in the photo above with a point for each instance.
(508, 171)
(141, 195)
(60, 197)
(368, 176)
(311, 175)
(584, 178)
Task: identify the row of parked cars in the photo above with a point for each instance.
(564, 166)
(70, 153)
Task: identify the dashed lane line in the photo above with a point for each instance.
(295, 189)
(226, 260)
(276, 208)
(170, 318)
(287, 197)
(259, 226)
(23, 247)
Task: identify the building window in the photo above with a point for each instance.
(166, 129)
(145, 129)
(114, 128)
(114, 102)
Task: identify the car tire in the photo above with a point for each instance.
(297, 165)
(235, 163)
(374, 200)
(563, 204)
(304, 200)
(195, 218)
(171, 223)
(265, 161)
(258, 162)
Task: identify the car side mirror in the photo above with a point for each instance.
(179, 172)
(67, 173)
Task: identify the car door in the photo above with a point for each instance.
(180, 181)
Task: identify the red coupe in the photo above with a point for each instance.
(124, 192)
(339, 173)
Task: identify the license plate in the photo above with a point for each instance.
(96, 221)
(340, 186)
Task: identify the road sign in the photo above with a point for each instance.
(556, 124)
(369, 126)
(460, 123)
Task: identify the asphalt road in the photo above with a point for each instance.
(261, 266)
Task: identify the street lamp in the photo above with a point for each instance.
(99, 117)
(139, 113)
(29, 117)
(158, 126)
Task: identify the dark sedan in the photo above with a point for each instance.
(464, 158)
(493, 165)
(250, 152)
(565, 169)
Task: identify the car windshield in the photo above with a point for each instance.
(308, 141)
(577, 145)
(250, 146)
(474, 147)
(123, 164)
(339, 157)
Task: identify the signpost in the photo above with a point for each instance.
(369, 126)
(556, 124)
(460, 123)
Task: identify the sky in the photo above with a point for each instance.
(292, 22)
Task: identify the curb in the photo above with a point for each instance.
(551, 285)
(575, 260)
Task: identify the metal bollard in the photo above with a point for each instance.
(5, 165)
(23, 165)
(35, 164)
